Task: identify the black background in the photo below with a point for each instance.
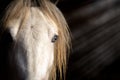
(95, 28)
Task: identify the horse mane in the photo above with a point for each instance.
(20, 7)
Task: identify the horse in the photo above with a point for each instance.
(40, 40)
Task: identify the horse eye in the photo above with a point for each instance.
(55, 37)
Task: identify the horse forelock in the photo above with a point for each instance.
(62, 46)
(19, 7)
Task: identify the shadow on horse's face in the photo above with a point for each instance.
(32, 52)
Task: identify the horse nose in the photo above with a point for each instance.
(20, 67)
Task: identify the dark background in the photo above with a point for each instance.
(95, 28)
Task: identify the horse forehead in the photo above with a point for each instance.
(38, 17)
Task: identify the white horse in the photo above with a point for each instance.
(40, 39)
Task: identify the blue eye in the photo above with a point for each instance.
(55, 37)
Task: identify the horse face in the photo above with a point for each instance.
(32, 53)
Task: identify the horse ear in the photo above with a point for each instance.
(55, 1)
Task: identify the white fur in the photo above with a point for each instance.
(35, 35)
